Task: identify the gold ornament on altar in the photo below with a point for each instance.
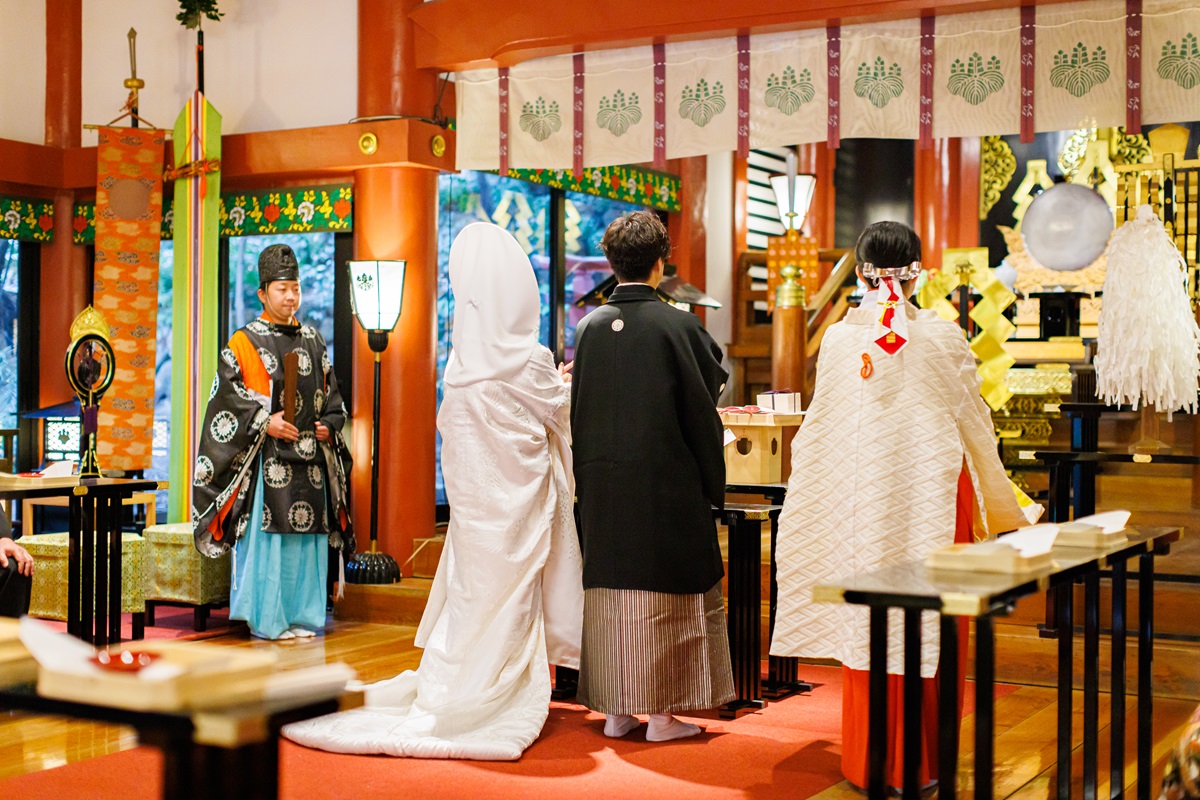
(1170, 185)
(1071, 156)
(789, 293)
(1093, 157)
(966, 267)
(1037, 177)
(91, 367)
(1129, 148)
(997, 165)
(1033, 277)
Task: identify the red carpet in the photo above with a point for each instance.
(791, 749)
(170, 622)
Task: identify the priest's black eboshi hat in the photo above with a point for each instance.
(277, 263)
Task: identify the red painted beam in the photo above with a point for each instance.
(33, 165)
(468, 34)
(277, 157)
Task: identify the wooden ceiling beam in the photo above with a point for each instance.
(330, 151)
(468, 34)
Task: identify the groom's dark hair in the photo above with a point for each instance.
(634, 243)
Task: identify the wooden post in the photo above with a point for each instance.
(946, 197)
(389, 84)
(63, 265)
(789, 345)
(789, 364)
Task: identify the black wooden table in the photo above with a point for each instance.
(216, 753)
(745, 521)
(782, 671)
(915, 588)
(1072, 484)
(1073, 477)
(94, 552)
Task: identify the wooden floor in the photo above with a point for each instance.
(1026, 747)
(29, 743)
(1025, 744)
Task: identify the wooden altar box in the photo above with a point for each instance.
(756, 454)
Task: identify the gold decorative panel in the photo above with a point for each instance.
(997, 165)
(49, 551)
(176, 572)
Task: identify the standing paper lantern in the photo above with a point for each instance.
(377, 294)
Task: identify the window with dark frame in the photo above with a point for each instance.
(560, 230)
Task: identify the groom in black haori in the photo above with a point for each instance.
(274, 490)
(649, 467)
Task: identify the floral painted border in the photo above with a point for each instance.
(626, 184)
(305, 209)
(26, 219)
(299, 210)
(83, 223)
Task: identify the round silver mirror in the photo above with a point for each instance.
(1067, 227)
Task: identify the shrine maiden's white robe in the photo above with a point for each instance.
(874, 481)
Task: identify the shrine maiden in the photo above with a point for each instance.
(649, 467)
(507, 599)
(896, 457)
(275, 492)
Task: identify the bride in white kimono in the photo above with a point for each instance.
(507, 599)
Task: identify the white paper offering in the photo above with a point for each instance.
(55, 650)
(1032, 541)
(59, 469)
(1108, 521)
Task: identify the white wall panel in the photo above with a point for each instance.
(718, 227)
(269, 64)
(23, 70)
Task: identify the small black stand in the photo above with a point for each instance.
(1058, 313)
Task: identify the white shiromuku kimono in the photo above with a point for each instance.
(874, 481)
(507, 599)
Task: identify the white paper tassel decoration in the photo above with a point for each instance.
(1148, 342)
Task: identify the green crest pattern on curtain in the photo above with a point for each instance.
(1171, 73)
(969, 84)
